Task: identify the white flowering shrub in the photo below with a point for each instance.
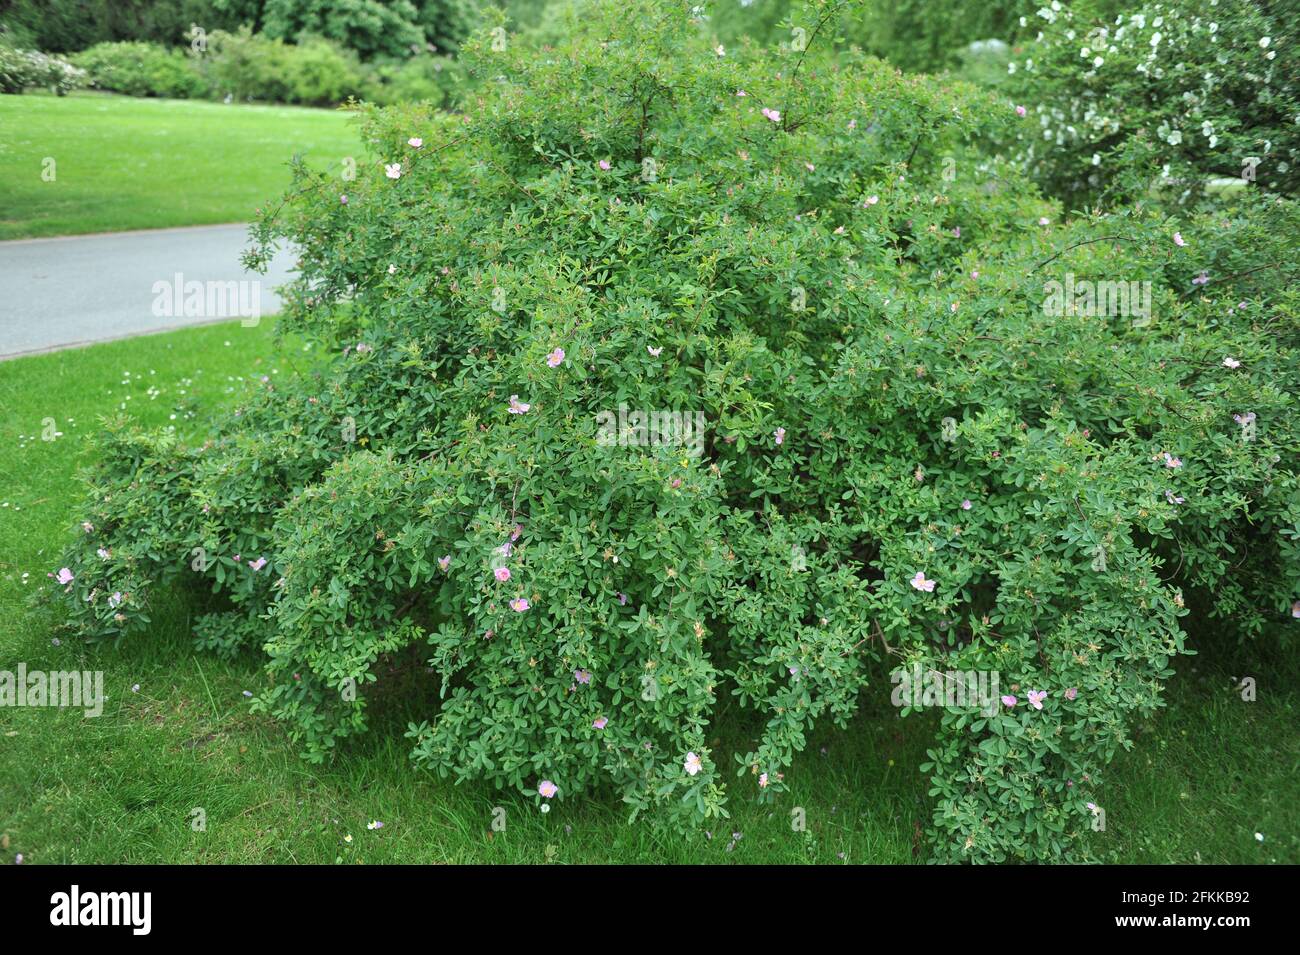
(1207, 91)
(30, 69)
(665, 375)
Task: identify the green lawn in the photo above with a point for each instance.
(1205, 776)
(123, 163)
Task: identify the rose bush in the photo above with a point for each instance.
(907, 458)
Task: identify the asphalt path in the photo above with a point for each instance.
(77, 290)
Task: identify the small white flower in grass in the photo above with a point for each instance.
(1231, 362)
(692, 764)
(374, 825)
(920, 583)
(393, 170)
(1264, 41)
(415, 142)
(1259, 837)
(547, 789)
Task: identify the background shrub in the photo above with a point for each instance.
(918, 35)
(67, 26)
(30, 69)
(367, 27)
(438, 80)
(141, 69)
(253, 67)
(1204, 87)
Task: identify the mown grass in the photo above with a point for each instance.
(1205, 776)
(121, 163)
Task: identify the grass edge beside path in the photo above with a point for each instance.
(95, 162)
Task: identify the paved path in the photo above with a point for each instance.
(81, 289)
